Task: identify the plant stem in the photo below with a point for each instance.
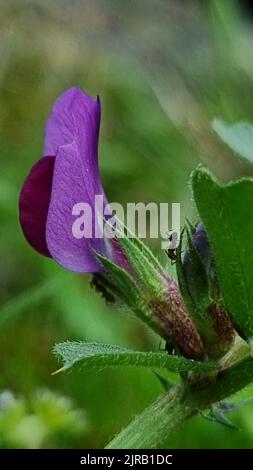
(163, 417)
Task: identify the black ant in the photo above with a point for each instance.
(172, 252)
(169, 347)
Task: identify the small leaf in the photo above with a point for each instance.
(218, 411)
(104, 355)
(238, 136)
(226, 211)
(218, 417)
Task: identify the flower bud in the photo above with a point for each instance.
(152, 296)
(200, 288)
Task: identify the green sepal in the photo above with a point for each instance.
(227, 407)
(181, 278)
(200, 286)
(130, 292)
(126, 287)
(218, 417)
(144, 264)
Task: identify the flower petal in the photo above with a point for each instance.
(72, 176)
(74, 114)
(34, 202)
(73, 182)
(201, 242)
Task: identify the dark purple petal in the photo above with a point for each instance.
(34, 202)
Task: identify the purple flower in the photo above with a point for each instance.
(67, 174)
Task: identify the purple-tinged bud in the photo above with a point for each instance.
(200, 288)
(201, 244)
(152, 295)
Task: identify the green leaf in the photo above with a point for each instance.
(105, 355)
(226, 211)
(238, 136)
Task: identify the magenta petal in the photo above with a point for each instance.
(34, 202)
(72, 183)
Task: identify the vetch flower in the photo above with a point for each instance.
(67, 174)
(124, 267)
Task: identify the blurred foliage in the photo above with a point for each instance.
(164, 70)
(43, 420)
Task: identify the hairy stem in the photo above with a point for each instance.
(169, 412)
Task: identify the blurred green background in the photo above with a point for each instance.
(163, 70)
